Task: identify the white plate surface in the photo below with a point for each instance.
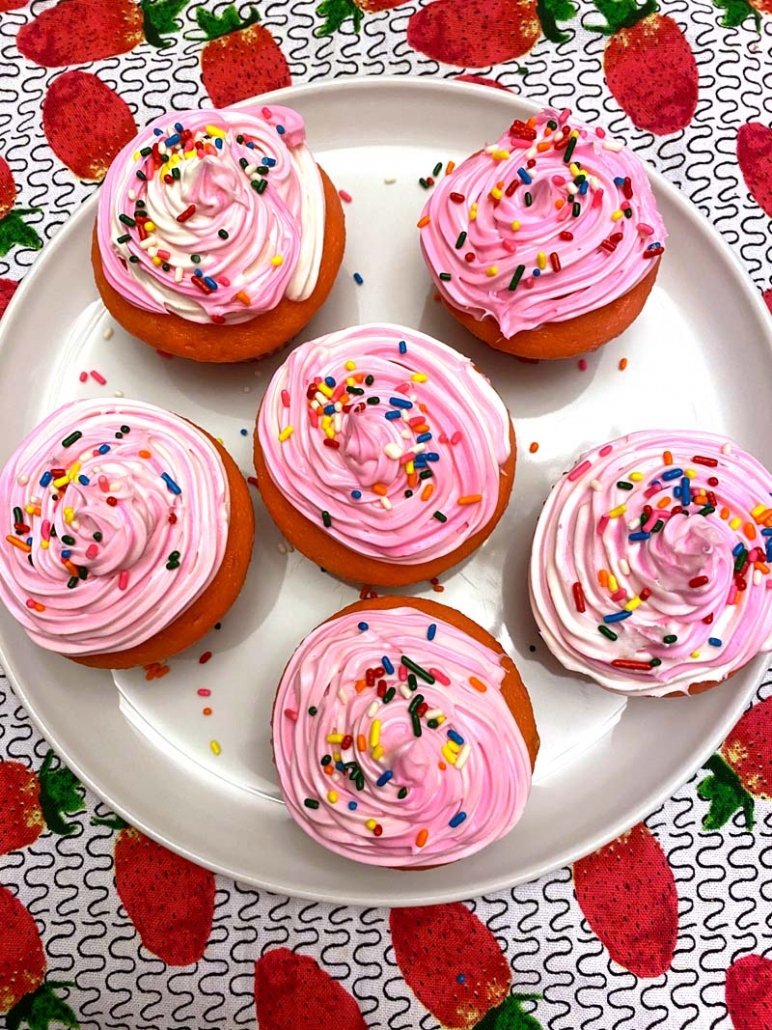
(699, 356)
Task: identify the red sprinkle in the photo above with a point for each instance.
(291, 714)
(99, 378)
(252, 481)
(457, 198)
(346, 743)
(741, 583)
(469, 257)
(582, 365)
(698, 581)
(708, 619)
(370, 677)
(512, 187)
(83, 377)
(566, 235)
(285, 398)
(331, 443)
(205, 657)
(381, 688)
(379, 671)
(378, 830)
(555, 262)
(422, 709)
(645, 594)
(624, 663)
(204, 692)
(172, 518)
(579, 597)
(712, 481)
(344, 196)
(187, 213)
(710, 462)
(112, 501)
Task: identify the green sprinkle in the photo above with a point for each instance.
(126, 220)
(628, 212)
(426, 474)
(369, 380)
(311, 803)
(196, 259)
(424, 183)
(254, 183)
(243, 162)
(416, 724)
(528, 200)
(517, 277)
(373, 400)
(172, 565)
(312, 710)
(356, 390)
(576, 210)
(445, 276)
(409, 664)
(408, 493)
(18, 515)
(402, 793)
(123, 239)
(69, 540)
(669, 639)
(125, 429)
(389, 695)
(173, 556)
(655, 662)
(627, 486)
(657, 526)
(98, 537)
(432, 724)
(142, 176)
(176, 174)
(415, 702)
(359, 782)
(460, 241)
(82, 572)
(146, 151)
(68, 441)
(262, 170)
(610, 634)
(440, 517)
(239, 138)
(119, 436)
(326, 519)
(707, 510)
(740, 560)
(412, 682)
(263, 186)
(72, 583)
(166, 266)
(437, 169)
(569, 150)
(223, 234)
(326, 759)
(139, 203)
(551, 124)
(134, 259)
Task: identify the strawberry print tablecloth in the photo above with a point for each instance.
(671, 925)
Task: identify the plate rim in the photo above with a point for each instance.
(685, 770)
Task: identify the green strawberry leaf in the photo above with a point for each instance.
(14, 231)
(60, 791)
(159, 18)
(725, 793)
(509, 1015)
(41, 1008)
(736, 12)
(335, 12)
(621, 14)
(213, 26)
(550, 12)
(113, 821)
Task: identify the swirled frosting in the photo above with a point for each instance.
(393, 743)
(214, 215)
(390, 439)
(650, 567)
(552, 221)
(116, 521)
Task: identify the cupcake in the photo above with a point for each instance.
(129, 533)
(650, 568)
(403, 735)
(547, 243)
(383, 455)
(218, 237)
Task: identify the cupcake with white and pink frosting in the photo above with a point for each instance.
(650, 568)
(547, 242)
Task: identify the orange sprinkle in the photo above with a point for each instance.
(559, 203)
(427, 492)
(422, 408)
(437, 297)
(329, 769)
(664, 502)
(206, 711)
(361, 742)
(360, 686)
(162, 671)
(470, 499)
(541, 147)
(762, 567)
(145, 454)
(441, 765)
(667, 457)
(14, 541)
(449, 167)
(765, 516)
(437, 588)
(244, 297)
(477, 684)
(724, 513)
(534, 447)
(622, 364)
(412, 479)
(421, 839)
(423, 221)
(380, 489)
(531, 123)
(603, 578)
(423, 428)
(750, 530)
(72, 569)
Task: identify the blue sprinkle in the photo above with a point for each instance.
(455, 737)
(251, 146)
(391, 415)
(329, 409)
(402, 347)
(329, 381)
(29, 541)
(384, 778)
(686, 492)
(617, 616)
(363, 626)
(583, 188)
(399, 402)
(178, 126)
(639, 536)
(431, 456)
(653, 246)
(431, 632)
(340, 766)
(358, 279)
(157, 132)
(218, 143)
(84, 480)
(198, 272)
(66, 554)
(524, 176)
(352, 804)
(672, 474)
(457, 819)
(104, 448)
(737, 549)
(420, 461)
(245, 432)
(356, 494)
(171, 140)
(210, 282)
(714, 642)
(766, 532)
(386, 663)
(460, 978)
(280, 129)
(768, 555)
(46, 478)
(619, 181)
(537, 272)
(423, 438)
(170, 483)
(269, 161)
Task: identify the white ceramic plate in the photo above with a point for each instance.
(698, 356)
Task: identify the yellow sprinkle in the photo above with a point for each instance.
(440, 719)
(30, 509)
(326, 421)
(334, 738)
(419, 377)
(636, 477)
(336, 756)
(612, 583)
(74, 471)
(375, 732)
(616, 512)
(214, 131)
(541, 259)
(136, 156)
(448, 754)
(57, 483)
(690, 473)
(477, 684)
(150, 226)
(633, 604)
(371, 824)
(351, 365)
(410, 467)
(188, 154)
(377, 752)
(496, 193)
(515, 225)
(174, 160)
(616, 216)
(493, 270)
(757, 510)
(215, 747)
(473, 212)
(575, 134)
(286, 433)
(500, 155)
(733, 524)
(332, 796)
(69, 515)
(421, 838)
(452, 746)
(277, 260)
(695, 654)
(330, 432)
(156, 261)
(325, 389)
(219, 439)
(574, 169)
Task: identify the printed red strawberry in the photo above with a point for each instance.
(29, 803)
(455, 967)
(767, 297)
(241, 58)
(24, 996)
(7, 289)
(14, 231)
(741, 770)
(754, 155)
(748, 993)
(12, 5)
(335, 12)
(476, 33)
(292, 992)
(169, 900)
(628, 896)
(79, 31)
(86, 124)
(649, 65)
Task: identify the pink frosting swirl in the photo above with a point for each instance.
(390, 438)
(535, 228)
(650, 564)
(215, 216)
(117, 520)
(419, 773)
